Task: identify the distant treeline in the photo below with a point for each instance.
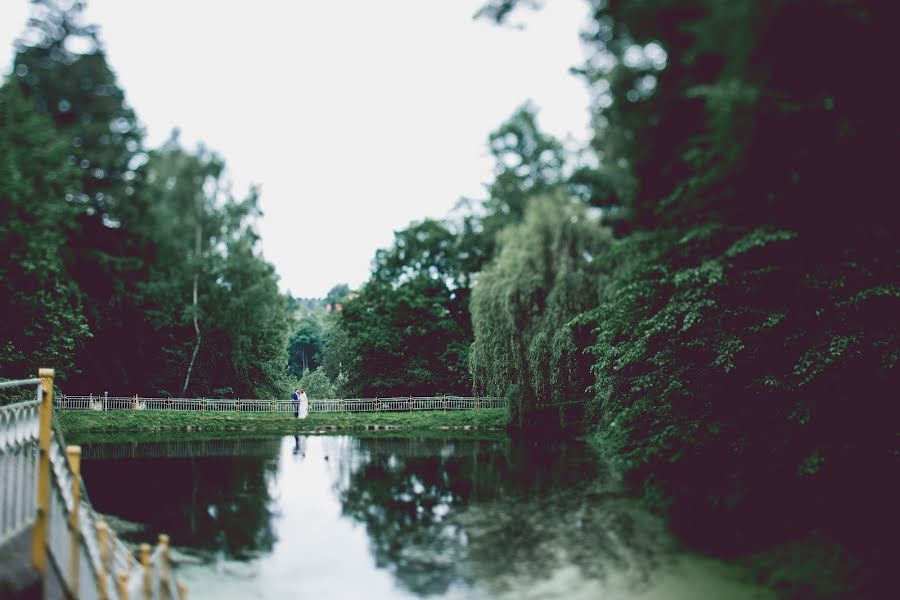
(128, 269)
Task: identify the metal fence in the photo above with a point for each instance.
(395, 404)
(42, 489)
(18, 463)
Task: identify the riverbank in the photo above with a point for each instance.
(240, 424)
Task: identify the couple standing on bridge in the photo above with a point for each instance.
(301, 403)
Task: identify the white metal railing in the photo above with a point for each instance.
(42, 489)
(19, 426)
(393, 404)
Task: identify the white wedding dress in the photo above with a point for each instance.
(304, 406)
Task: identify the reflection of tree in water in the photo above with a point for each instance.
(489, 514)
(211, 503)
(404, 501)
(566, 509)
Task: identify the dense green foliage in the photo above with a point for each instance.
(38, 299)
(104, 242)
(546, 273)
(316, 384)
(408, 339)
(745, 339)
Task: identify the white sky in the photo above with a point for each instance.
(355, 116)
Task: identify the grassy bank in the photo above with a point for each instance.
(123, 422)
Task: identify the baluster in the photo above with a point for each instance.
(164, 566)
(103, 568)
(39, 536)
(145, 571)
(122, 585)
(74, 455)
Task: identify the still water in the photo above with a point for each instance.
(347, 517)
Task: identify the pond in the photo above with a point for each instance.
(351, 517)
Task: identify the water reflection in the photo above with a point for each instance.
(404, 518)
(496, 515)
(300, 446)
(219, 503)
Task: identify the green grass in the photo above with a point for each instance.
(149, 421)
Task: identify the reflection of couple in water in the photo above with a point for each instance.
(300, 448)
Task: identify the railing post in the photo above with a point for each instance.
(409, 404)
(145, 570)
(39, 536)
(444, 402)
(122, 585)
(74, 455)
(103, 542)
(164, 566)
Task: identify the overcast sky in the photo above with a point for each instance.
(356, 117)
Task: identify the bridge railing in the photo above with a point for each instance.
(393, 404)
(18, 462)
(42, 489)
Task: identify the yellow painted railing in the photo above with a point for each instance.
(73, 551)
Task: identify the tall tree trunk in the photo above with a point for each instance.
(198, 233)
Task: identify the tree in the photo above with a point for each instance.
(547, 272)
(62, 70)
(316, 385)
(337, 294)
(335, 348)
(184, 224)
(408, 330)
(207, 272)
(305, 345)
(403, 340)
(250, 313)
(527, 163)
(43, 323)
(78, 90)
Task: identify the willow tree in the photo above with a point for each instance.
(548, 271)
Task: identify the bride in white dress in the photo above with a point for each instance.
(304, 405)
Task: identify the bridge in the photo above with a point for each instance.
(52, 542)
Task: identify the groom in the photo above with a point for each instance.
(295, 400)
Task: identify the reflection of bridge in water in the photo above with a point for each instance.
(181, 449)
(269, 448)
(408, 447)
